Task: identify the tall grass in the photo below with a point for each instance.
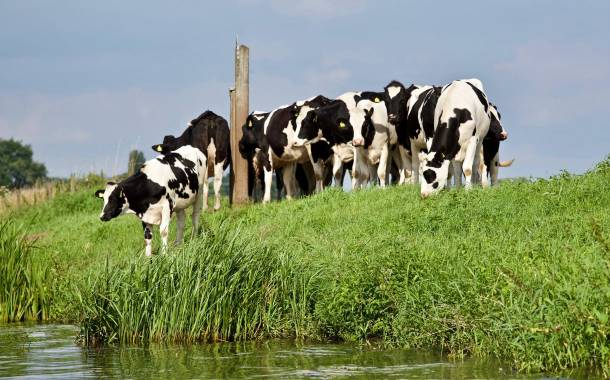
(220, 287)
(24, 280)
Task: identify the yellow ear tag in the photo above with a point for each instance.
(250, 124)
(159, 148)
(341, 125)
(377, 100)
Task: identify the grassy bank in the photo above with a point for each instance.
(520, 272)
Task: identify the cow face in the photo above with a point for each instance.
(170, 143)
(367, 130)
(434, 178)
(115, 201)
(396, 98)
(333, 122)
(496, 131)
(252, 134)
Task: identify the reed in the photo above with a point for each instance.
(24, 279)
(219, 287)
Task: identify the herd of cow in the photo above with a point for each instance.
(416, 134)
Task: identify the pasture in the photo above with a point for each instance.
(519, 272)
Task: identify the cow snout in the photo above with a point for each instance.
(104, 218)
(298, 143)
(425, 195)
(503, 135)
(358, 141)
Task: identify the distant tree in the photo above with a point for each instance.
(136, 160)
(17, 168)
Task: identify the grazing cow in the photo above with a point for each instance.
(331, 123)
(210, 133)
(281, 128)
(461, 121)
(489, 161)
(165, 185)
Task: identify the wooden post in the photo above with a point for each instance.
(239, 112)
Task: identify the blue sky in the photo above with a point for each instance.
(85, 82)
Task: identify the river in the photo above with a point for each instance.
(48, 351)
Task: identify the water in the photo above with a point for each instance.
(49, 351)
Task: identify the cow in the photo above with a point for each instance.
(281, 128)
(461, 121)
(419, 125)
(210, 134)
(373, 137)
(254, 147)
(397, 97)
(165, 185)
(331, 123)
(489, 160)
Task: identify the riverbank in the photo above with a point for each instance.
(520, 272)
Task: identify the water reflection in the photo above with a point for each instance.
(48, 351)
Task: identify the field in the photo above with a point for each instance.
(520, 272)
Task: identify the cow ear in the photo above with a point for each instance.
(99, 193)
(158, 148)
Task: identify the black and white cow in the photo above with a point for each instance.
(397, 97)
(461, 121)
(373, 137)
(281, 128)
(210, 133)
(254, 147)
(490, 160)
(331, 123)
(419, 125)
(165, 185)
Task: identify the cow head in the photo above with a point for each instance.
(367, 130)
(396, 98)
(170, 143)
(115, 201)
(434, 175)
(248, 142)
(331, 122)
(496, 131)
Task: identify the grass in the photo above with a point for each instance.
(520, 272)
(24, 293)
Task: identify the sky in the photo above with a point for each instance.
(84, 82)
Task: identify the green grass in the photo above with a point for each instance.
(520, 272)
(24, 292)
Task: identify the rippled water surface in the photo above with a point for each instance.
(49, 351)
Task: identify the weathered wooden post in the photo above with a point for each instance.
(239, 96)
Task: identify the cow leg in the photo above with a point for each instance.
(318, 171)
(196, 214)
(415, 172)
(457, 174)
(180, 218)
(164, 226)
(469, 161)
(493, 169)
(268, 180)
(288, 173)
(218, 169)
(476, 174)
(148, 235)
(383, 165)
(206, 189)
(338, 171)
